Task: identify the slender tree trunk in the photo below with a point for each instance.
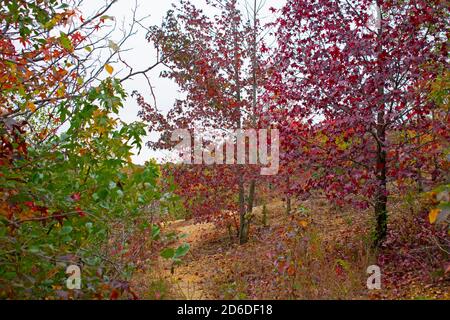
(230, 233)
(251, 196)
(381, 214)
(264, 215)
(243, 225)
(287, 196)
(435, 173)
(436, 170)
(288, 205)
(381, 191)
(419, 176)
(419, 179)
(246, 214)
(245, 222)
(243, 229)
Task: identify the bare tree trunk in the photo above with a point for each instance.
(419, 178)
(230, 233)
(251, 196)
(287, 196)
(243, 225)
(264, 215)
(435, 174)
(245, 222)
(381, 191)
(381, 214)
(288, 205)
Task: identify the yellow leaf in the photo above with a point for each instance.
(303, 223)
(433, 215)
(109, 69)
(31, 106)
(61, 90)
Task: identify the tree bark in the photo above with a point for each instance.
(243, 225)
(381, 191)
(264, 215)
(381, 214)
(287, 196)
(245, 221)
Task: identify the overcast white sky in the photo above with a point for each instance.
(142, 54)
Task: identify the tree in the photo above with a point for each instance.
(353, 84)
(69, 193)
(217, 63)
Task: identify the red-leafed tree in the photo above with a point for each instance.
(216, 63)
(349, 93)
(209, 192)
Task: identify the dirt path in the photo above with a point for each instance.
(189, 278)
(217, 268)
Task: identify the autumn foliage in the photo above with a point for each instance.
(69, 194)
(358, 90)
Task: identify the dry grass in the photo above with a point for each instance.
(318, 252)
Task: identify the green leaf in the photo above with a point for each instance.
(9, 275)
(65, 41)
(167, 253)
(33, 249)
(155, 231)
(182, 250)
(66, 230)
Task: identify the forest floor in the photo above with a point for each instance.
(318, 252)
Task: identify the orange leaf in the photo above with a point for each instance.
(109, 68)
(433, 215)
(303, 223)
(31, 106)
(291, 270)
